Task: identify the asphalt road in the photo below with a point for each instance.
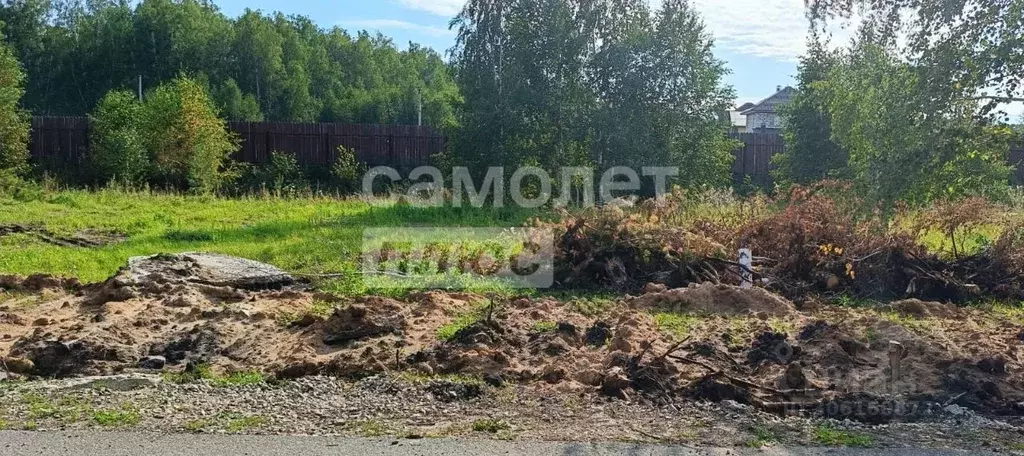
(18, 443)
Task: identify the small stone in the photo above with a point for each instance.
(599, 334)
(590, 377)
(655, 288)
(553, 374)
(494, 380)
(153, 362)
(42, 321)
(19, 365)
(615, 382)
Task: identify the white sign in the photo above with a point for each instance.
(746, 269)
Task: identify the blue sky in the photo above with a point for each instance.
(759, 39)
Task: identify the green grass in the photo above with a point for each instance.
(912, 324)
(203, 372)
(448, 330)
(763, 437)
(197, 425)
(545, 326)
(491, 425)
(419, 379)
(246, 422)
(301, 235)
(1013, 312)
(321, 308)
(239, 379)
(590, 306)
(828, 435)
(125, 416)
(462, 320)
(676, 325)
(782, 326)
(66, 410)
(373, 428)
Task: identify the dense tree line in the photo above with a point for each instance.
(255, 66)
(591, 82)
(911, 120)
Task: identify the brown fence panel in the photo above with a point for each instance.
(1017, 161)
(754, 157)
(59, 140)
(65, 141)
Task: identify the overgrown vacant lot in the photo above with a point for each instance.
(856, 319)
(302, 235)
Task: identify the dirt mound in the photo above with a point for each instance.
(924, 309)
(38, 282)
(792, 363)
(364, 320)
(717, 299)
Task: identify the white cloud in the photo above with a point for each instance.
(446, 8)
(775, 29)
(393, 24)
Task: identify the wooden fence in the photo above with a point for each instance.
(754, 159)
(64, 141)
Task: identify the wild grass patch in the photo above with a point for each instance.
(675, 324)
(828, 435)
(124, 416)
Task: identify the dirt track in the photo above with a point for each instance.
(747, 346)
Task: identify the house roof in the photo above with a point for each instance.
(737, 119)
(782, 97)
(745, 106)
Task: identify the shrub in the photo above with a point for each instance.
(187, 142)
(281, 173)
(14, 122)
(346, 171)
(118, 151)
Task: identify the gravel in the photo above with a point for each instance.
(403, 407)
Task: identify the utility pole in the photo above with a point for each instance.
(140, 88)
(419, 107)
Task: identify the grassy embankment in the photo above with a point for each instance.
(303, 235)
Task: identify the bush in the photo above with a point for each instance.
(905, 142)
(279, 174)
(346, 171)
(187, 142)
(14, 122)
(118, 151)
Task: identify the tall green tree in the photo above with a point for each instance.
(878, 110)
(14, 121)
(811, 155)
(283, 67)
(598, 82)
(961, 50)
(118, 145)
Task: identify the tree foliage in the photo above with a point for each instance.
(186, 140)
(14, 121)
(811, 155)
(877, 109)
(256, 66)
(118, 149)
(585, 82)
(960, 49)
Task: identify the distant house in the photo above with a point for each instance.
(737, 121)
(764, 116)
